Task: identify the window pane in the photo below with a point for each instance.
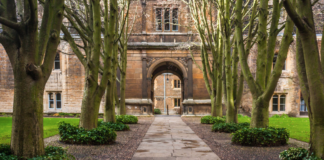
(282, 103)
(179, 102)
(275, 103)
(284, 67)
(58, 104)
(175, 102)
(167, 19)
(57, 61)
(175, 19)
(50, 100)
(179, 84)
(175, 83)
(158, 19)
(58, 96)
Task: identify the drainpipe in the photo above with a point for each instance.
(164, 92)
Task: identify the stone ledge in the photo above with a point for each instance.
(139, 101)
(196, 102)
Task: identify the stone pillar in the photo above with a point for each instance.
(144, 19)
(144, 79)
(190, 79)
(185, 88)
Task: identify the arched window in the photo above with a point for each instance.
(275, 103)
(282, 102)
(58, 101)
(57, 61)
(51, 100)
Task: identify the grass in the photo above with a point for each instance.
(50, 127)
(298, 127)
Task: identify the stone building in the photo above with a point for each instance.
(153, 49)
(167, 93)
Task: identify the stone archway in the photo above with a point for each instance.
(181, 67)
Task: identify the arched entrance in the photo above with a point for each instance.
(167, 65)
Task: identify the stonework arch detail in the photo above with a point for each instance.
(163, 61)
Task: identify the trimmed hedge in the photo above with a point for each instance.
(157, 111)
(297, 154)
(51, 153)
(211, 120)
(127, 119)
(229, 127)
(115, 126)
(261, 136)
(74, 135)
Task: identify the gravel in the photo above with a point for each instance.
(123, 149)
(220, 143)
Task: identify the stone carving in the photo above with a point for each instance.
(183, 60)
(150, 61)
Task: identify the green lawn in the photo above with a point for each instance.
(298, 127)
(50, 127)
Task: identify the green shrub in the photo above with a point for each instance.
(157, 111)
(229, 127)
(115, 126)
(51, 153)
(297, 154)
(240, 116)
(211, 120)
(75, 135)
(261, 136)
(127, 119)
(280, 116)
(65, 114)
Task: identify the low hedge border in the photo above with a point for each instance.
(261, 136)
(51, 153)
(74, 135)
(211, 120)
(297, 154)
(229, 127)
(126, 119)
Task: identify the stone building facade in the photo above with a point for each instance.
(155, 47)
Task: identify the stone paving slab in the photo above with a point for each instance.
(169, 138)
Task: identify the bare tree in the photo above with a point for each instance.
(31, 52)
(262, 88)
(310, 70)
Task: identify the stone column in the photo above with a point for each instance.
(190, 79)
(144, 79)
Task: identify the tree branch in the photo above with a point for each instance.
(10, 24)
(300, 24)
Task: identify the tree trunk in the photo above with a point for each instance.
(260, 113)
(27, 121)
(90, 105)
(109, 112)
(123, 81)
(122, 93)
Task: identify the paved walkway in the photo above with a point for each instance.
(170, 138)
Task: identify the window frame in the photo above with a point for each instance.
(171, 7)
(177, 83)
(49, 100)
(56, 100)
(279, 104)
(57, 61)
(176, 101)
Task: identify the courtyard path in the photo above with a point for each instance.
(170, 138)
